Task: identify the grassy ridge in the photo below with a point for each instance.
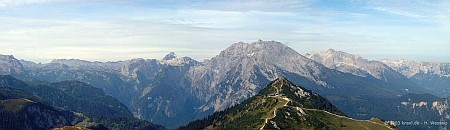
(282, 105)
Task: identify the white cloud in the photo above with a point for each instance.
(115, 39)
(202, 31)
(400, 12)
(15, 3)
(256, 5)
(221, 19)
(425, 10)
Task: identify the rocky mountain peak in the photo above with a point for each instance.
(349, 63)
(3, 57)
(70, 62)
(265, 58)
(359, 66)
(173, 60)
(264, 46)
(331, 50)
(268, 51)
(170, 56)
(331, 53)
(10, 65)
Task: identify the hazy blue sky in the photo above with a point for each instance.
(110, 30)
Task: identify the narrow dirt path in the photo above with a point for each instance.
(277, 95)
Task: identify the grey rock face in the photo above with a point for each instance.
(10, 65)
(241, 70)
(349, 63)
(359, 66)
(433, 76)
(412, 68)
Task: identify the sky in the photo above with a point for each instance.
(112, 30)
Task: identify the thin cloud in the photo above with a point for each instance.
(413, 9)
(114, 31)
(256, 5)
(398, 12)
(16, 3)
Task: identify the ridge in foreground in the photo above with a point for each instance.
(283, 105)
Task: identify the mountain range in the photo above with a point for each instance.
(359, 66)
(433, 76)
(174, 91)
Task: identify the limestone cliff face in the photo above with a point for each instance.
(362, 67)
(10, 65)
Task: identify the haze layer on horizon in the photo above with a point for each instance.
(101, 30)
